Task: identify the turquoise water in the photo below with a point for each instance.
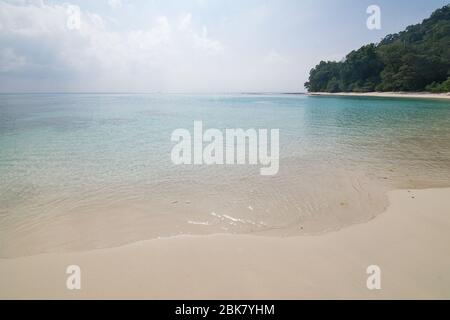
(82, 171)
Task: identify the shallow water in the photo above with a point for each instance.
(83, 171)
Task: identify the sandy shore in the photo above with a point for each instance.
(409, 242)
(415, 95)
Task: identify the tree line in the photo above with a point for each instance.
(417, 59)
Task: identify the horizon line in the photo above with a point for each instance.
(155, 92)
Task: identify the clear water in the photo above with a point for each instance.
(83, 171)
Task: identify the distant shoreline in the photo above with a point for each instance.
(414, 95)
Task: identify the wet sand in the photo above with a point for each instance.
(409, 242)
(415, 95)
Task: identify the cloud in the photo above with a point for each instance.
(206, 44)
(61, 47)
(185, 22)
(39, 42)
(115, 4)
(201, 41)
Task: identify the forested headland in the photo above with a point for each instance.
(416, 59)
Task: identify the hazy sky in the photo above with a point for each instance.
(184, 45)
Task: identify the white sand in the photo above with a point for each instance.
(415, 95)
(410, 242)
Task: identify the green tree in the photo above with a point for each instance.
(412, 60)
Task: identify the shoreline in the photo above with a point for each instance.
(408, 241)
(410, 95)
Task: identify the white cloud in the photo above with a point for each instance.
(115, 3)
(38, 40)
(167, 51)
(185, 22)
(206, 44)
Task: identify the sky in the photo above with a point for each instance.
(184, 45)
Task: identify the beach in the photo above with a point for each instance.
(92, 171)
(408, 242)
(411, 95)
(87, 180)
